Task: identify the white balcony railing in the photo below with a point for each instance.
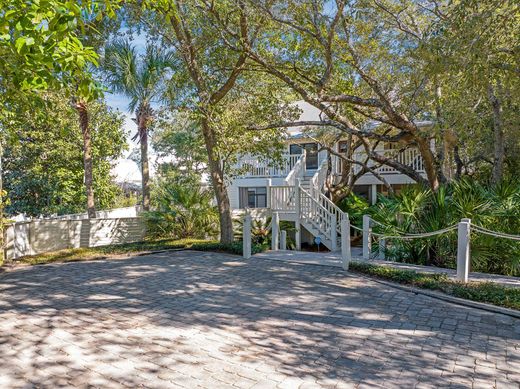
(408, 157)
(256, 167)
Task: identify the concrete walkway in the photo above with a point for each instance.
(334, 259)
(204, 320)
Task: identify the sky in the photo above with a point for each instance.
(125, 170)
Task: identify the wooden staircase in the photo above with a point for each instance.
(302, 200)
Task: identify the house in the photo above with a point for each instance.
(296, 187)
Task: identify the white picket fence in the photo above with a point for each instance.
(46, 235)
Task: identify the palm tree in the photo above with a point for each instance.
(140, 77)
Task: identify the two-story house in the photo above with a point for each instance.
(266, 186)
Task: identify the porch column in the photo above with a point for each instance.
(297, 202)
(268, 195)
(373, 194)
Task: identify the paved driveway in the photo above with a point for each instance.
(191, 319)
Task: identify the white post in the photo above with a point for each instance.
(268, 190)
(367, 237)
(463, 250)
(246, 239)
(275, 231)
(346, 254)
(283, 240)
(298, 206)
(304, 164)
(334, 232)
(373, 194)
(382, 248)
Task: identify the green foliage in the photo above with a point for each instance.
(485, 292)
(141, 78)
(356, 207)
(417, 210)
(43, 159)
(231, 248)
(182, 210)
(177, 134)
(41, 46)
(261, 231)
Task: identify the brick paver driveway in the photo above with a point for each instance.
(191, 319)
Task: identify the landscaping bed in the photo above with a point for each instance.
(484, 292)
(119, 250)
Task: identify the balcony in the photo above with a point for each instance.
(409, 157)
(257, 167)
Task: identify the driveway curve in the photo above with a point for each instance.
(190, 319)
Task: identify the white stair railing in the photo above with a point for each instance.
(317, 184)
(317, 216)
(297, 171)
(282, 198)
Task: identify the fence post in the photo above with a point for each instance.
(283, 240)
(367, 237)
(268, 200)
(298, 209)
(463, 250)
(346, 254)
(382, 248)
(275, 231)
(246, 239)
(334, 232)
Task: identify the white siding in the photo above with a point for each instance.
(248, 182)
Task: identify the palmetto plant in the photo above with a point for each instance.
(182, 211)
(141, 78)
(417, 210)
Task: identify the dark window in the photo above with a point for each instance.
(312, 153)
(254, 197)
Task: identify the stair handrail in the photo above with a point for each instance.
(317, 206)
(317, 182)
(297, 170)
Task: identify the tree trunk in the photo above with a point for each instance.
(219, 184)
(429, 162)
(498, 131)
(81, 108)
(142, 119)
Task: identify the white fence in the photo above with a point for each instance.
(40, 236)
(104, 214)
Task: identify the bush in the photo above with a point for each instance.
(417, 209)
(485, 292)
(182, 210)
(231, 248)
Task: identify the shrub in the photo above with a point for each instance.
(182, 210)
(417, 209)
(485, 292)
(231, 248)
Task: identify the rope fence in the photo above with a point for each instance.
(496, 234)
(464, 229)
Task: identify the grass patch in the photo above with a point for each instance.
(104, 252)
(484, 292)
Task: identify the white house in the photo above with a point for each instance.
(296, 188)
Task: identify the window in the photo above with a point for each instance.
(255, 197)
(312, 153)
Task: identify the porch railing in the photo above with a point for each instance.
(257, 167)
(282, 198)
(409, 157)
